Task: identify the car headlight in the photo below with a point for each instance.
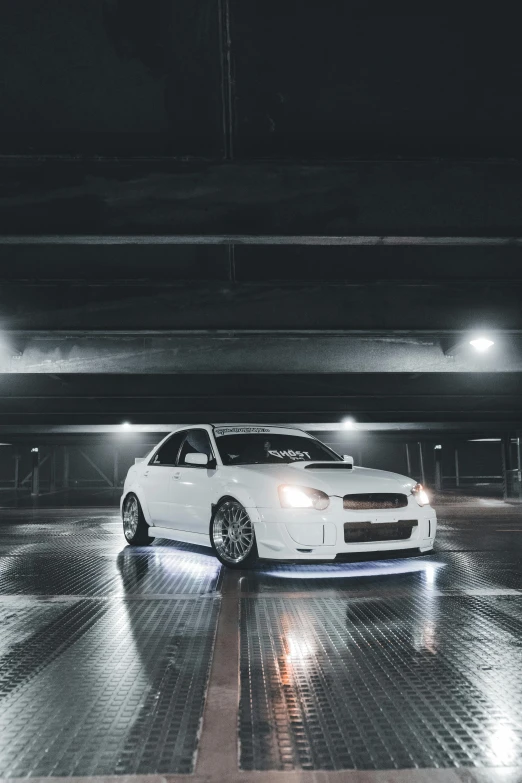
(420, 495)
(292, 496)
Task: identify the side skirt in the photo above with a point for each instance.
(186, 536)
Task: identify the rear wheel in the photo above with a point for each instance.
(232, 535)
(135, 528)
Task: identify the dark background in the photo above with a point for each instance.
(232, 210)
(310, 80)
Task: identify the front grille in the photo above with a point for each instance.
(359, 532)
(375, 500)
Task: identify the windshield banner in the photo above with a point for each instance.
(243, 431)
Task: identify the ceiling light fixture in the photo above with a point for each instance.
(481, 344)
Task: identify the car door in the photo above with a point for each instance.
(157, 480)
(193, 489)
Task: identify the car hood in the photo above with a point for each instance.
(336, 481)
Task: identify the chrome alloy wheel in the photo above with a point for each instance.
(233, 532)
(130, 518)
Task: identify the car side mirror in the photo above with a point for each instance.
(348, 459)
(196, 459)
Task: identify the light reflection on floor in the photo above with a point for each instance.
(361, 570)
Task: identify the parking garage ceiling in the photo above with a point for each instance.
(253, 221)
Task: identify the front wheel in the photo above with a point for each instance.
(232, 535)
(135, 528)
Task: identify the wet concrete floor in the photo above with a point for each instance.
(154, 662)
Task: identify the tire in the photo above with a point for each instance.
(232, 535)
(135, 528)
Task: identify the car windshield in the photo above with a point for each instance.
(272, 449)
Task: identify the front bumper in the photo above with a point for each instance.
(307, 534)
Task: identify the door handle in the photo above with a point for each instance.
(146, 473)
(177, 474)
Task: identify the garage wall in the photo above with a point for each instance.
(81, 473)
(476, 459)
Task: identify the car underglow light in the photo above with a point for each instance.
(371, 568)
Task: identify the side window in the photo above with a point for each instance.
(169, 451)
(196, 442)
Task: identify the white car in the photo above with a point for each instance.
(256, 491)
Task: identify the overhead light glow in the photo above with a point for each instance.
(481, 344)
(349, 423)
(126, 425)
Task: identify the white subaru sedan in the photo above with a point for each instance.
(256, 491)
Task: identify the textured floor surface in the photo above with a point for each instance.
(107, 655)
(105, 650)
(410, 662)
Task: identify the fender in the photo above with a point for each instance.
(239, 492)
(136, 489)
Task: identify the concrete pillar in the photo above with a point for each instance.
(421, 463)
(457, 469)
(506, 465)
(35, 477)
(115, 475)
(66, 467)
(519, 465)
(16, 471)
(52, 481)
(438, 468)
(408, 459)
